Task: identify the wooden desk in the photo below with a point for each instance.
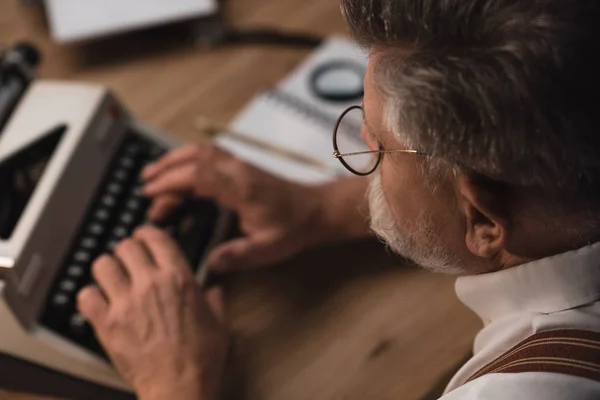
(339, 323)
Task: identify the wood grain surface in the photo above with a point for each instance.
(345, 322)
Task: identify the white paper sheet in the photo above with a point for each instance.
(274, 123)
(80, 19)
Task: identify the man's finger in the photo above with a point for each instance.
(110, 276)
(233, 181)
(162, 206)
(247, 252)
(215, 301)
(162, 248)
(179, 180)
(136, 260)
(92, 304)
(171, 159)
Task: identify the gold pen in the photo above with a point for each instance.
(213, 130)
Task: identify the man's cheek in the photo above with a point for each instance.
(400, 191)
(390, 186)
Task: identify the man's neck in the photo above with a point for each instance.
(546, 245)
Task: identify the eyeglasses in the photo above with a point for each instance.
(351, 149)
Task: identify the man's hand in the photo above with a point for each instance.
(164, 336)
(278, 218)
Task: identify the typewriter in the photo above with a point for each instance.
(70, 190)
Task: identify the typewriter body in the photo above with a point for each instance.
(70, 158)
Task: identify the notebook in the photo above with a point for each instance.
(83, 19)
(292, 117)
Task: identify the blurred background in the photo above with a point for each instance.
(345, 322)
(135, 64)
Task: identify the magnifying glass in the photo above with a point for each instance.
(338, 81)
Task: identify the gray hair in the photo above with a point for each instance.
(507, 89)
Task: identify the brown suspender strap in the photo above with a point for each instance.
(569, 352)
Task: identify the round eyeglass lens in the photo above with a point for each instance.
(349, 141)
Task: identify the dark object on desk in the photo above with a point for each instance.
(271, 37)
(338, 81)
(214, 32)
(17, 67)
(258, 36)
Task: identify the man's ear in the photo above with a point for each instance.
(488, 223)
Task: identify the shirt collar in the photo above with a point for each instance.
(546, 286)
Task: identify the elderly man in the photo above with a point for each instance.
(482, 119)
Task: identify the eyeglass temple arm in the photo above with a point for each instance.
(337, 153)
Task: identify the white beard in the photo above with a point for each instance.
(417, 240)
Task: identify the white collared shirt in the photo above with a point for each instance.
(560, 292)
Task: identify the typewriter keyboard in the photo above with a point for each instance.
(116, 211)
